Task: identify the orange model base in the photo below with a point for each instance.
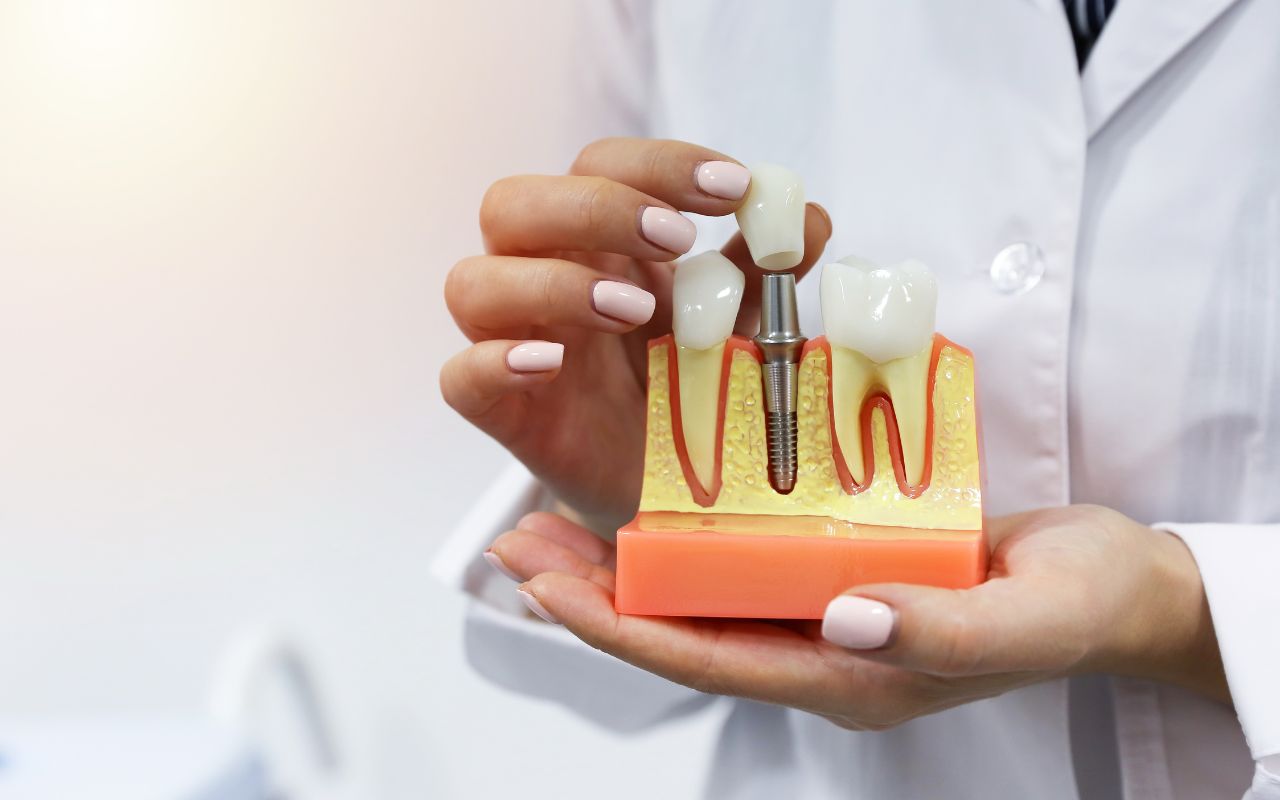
(729, 565)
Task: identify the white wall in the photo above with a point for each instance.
(223, 233)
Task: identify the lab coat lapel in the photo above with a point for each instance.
(1140, 37)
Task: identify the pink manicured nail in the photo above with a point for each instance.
(723, 179)
(535, 356)
(536, 607)
(858, 623)
(622, 301)
(497, 563)
(667, 229)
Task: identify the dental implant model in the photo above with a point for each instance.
(780, 345)
(772, 222)
(781, 471)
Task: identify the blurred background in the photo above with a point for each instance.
(224, 462)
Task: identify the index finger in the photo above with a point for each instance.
(689, 177)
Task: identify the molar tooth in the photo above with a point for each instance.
(882, 312)
(772, 217)
(706, 294)
(879, 322)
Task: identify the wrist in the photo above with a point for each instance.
(1170, 635)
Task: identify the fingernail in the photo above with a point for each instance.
(535, 356)
(536, 607)
(667, 229)
(622, 301)
(497, 563)
(858, 623)
(723, 179)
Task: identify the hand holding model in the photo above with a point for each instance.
(1069, 590)
(576, 280)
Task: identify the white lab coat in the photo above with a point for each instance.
(1109, 247)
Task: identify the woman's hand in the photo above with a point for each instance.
(1071, 590)
(577, 278)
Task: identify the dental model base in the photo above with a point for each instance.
(884, 478)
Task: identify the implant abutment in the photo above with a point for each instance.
(780, 343)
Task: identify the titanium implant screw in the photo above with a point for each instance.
(780, 342)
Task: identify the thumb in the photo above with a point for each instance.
(925, 629)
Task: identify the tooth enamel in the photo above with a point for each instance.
(880, 323)
(706, 294)
(772, 217)
(882, 312)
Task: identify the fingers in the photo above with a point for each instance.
(685, 176)
(529, 214)
(817, 231)
(741, 658)
(505, 296)
(1005, 625)
(571, 535)
(523, 554)
(621, 196)
(476, 379)
(546, 542)
(569, 581)
(696, 653)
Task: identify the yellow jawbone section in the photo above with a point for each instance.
(953, 500)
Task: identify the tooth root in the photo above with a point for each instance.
(699, 372)
(886, 315)
(906, 380)
(852, 375)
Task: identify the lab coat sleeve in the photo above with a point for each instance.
(1238, 564)
(517, 651)
(1266, 782)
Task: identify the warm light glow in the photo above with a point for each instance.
(93, 51)
(103, 45)
(111, 101)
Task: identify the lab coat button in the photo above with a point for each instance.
(1017, 268)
